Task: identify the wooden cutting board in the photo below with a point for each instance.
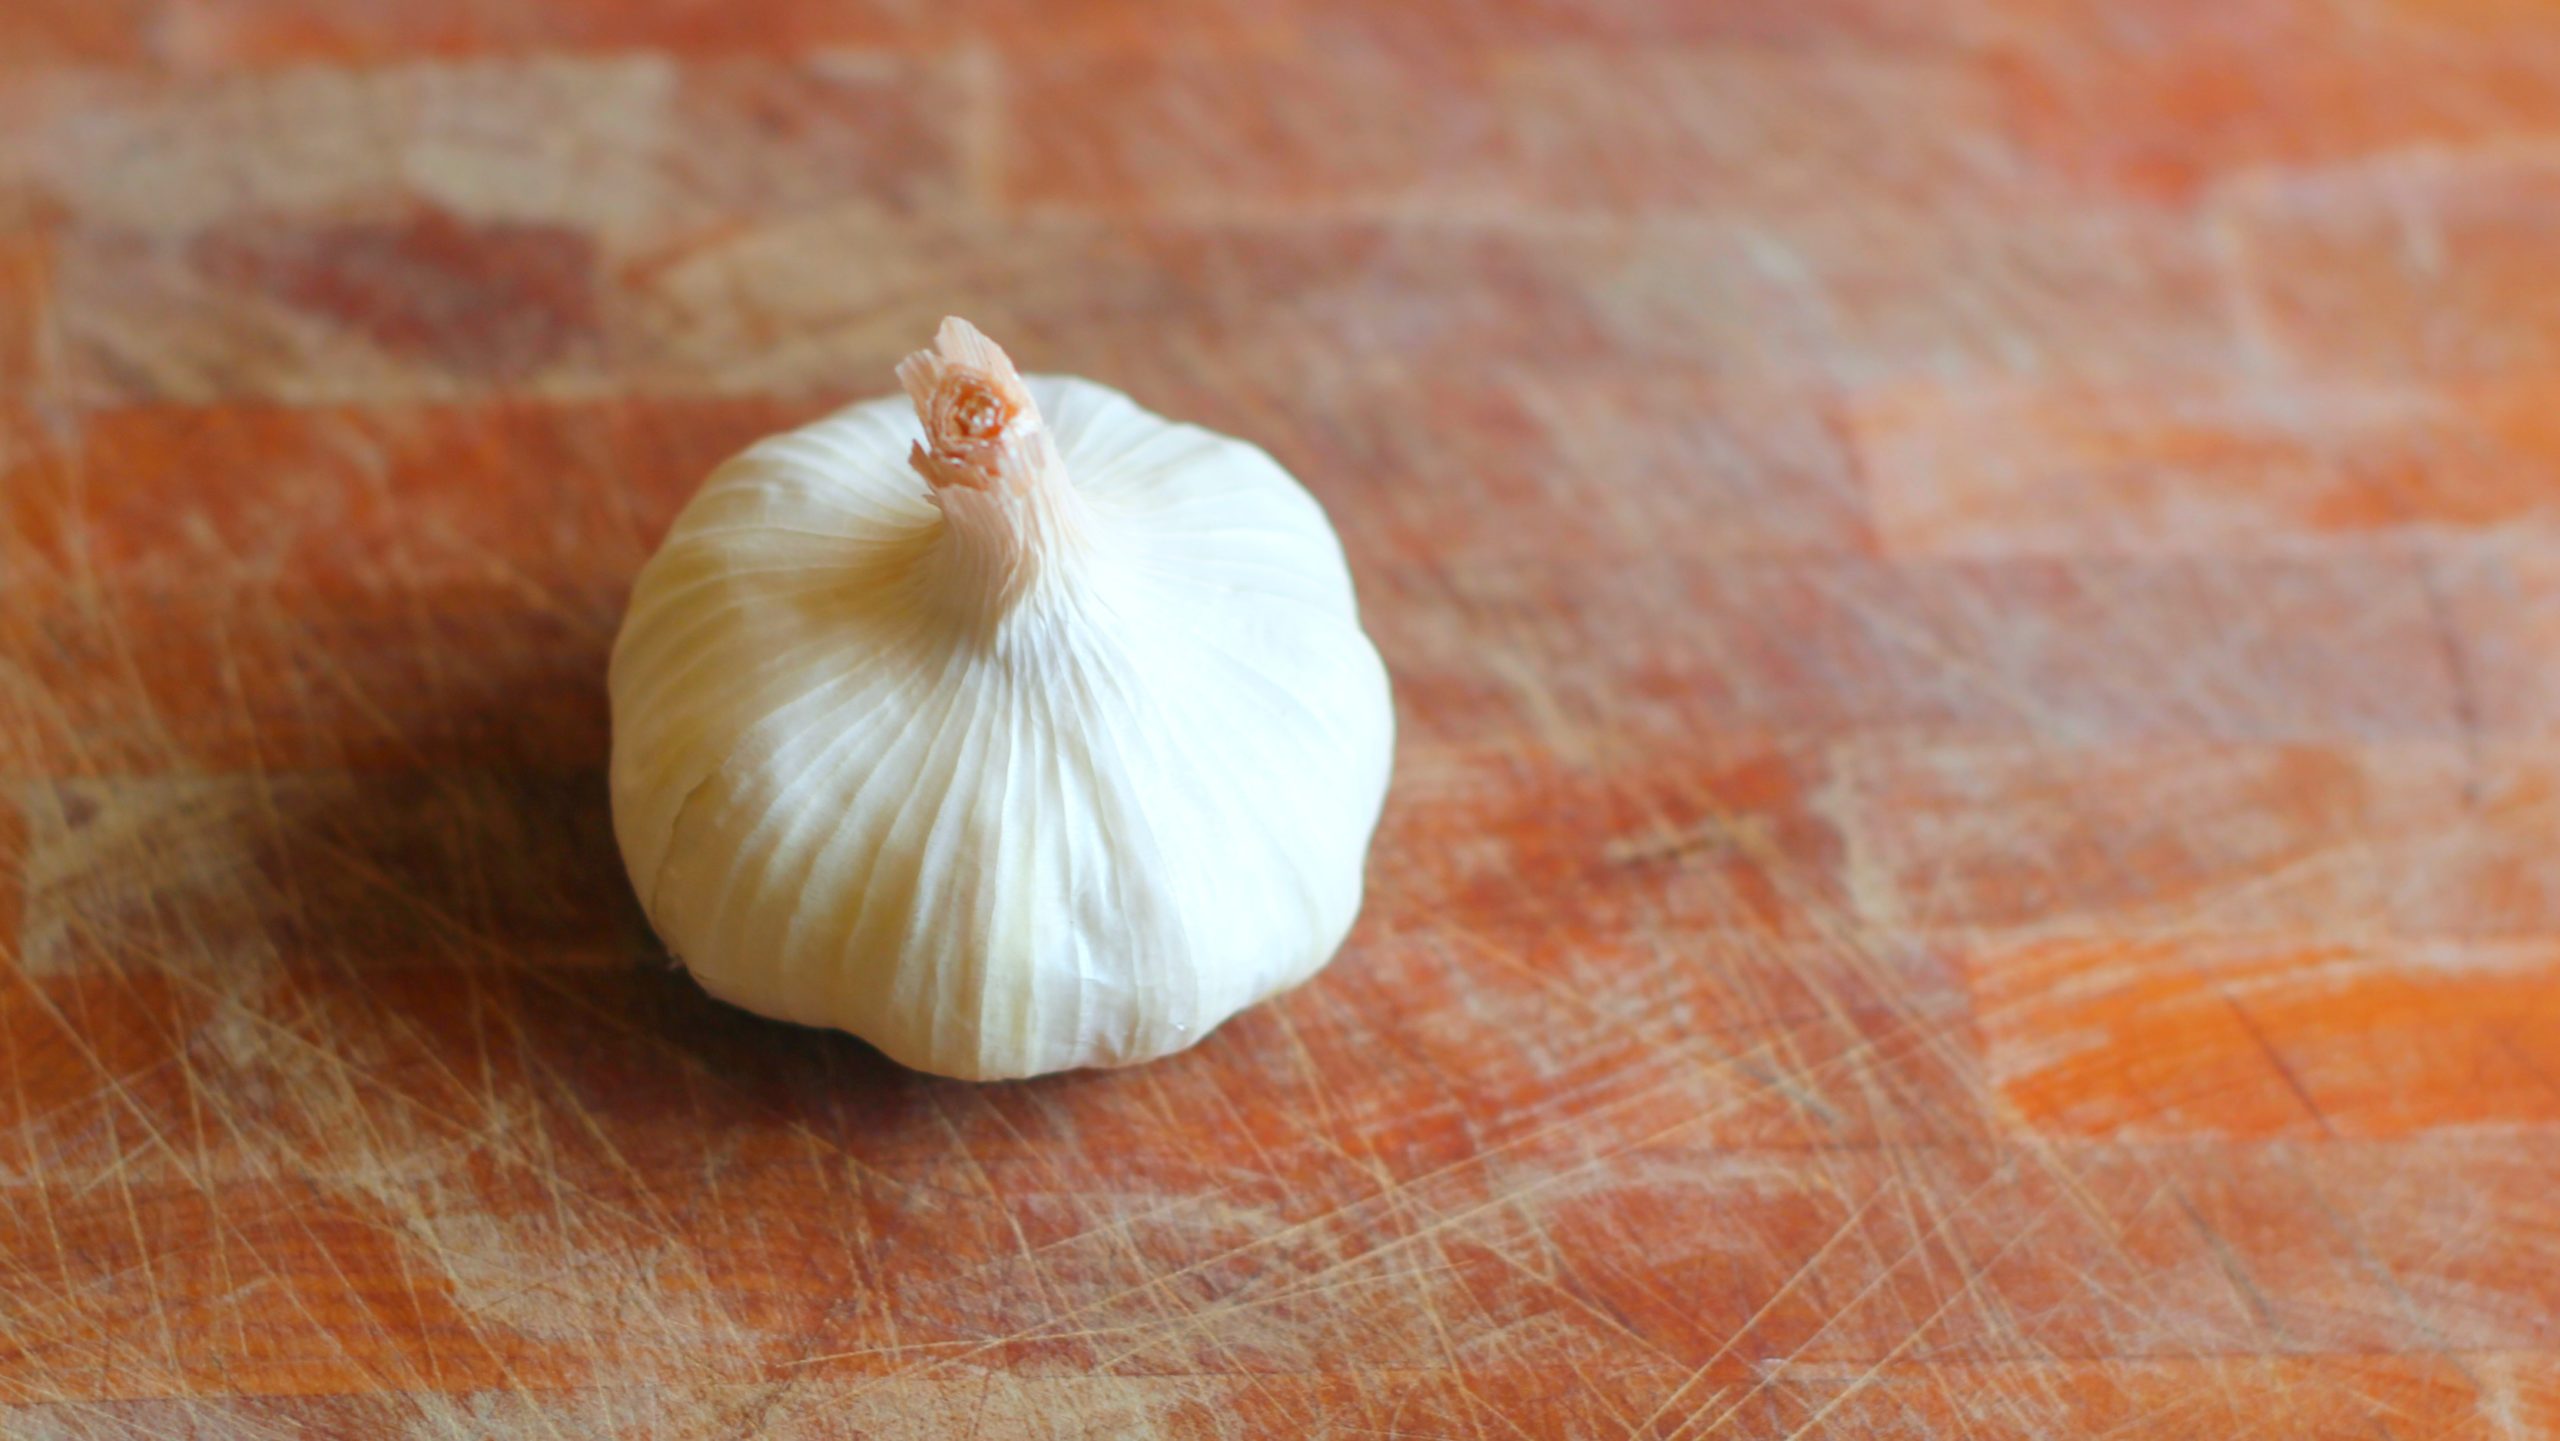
(1973, 595)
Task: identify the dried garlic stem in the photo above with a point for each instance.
(985, 431)
(1009, 511)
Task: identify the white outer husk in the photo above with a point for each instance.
(1082, 833)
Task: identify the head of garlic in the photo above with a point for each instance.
(1058, 758)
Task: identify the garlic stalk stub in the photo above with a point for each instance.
(1058, 761)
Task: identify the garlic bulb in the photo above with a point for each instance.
(1057, 760)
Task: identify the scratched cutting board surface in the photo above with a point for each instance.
(1974, 592)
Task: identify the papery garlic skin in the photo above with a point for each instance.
(1056, 761)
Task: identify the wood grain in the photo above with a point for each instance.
(1974, 589)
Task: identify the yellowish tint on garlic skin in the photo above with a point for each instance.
(1058, 759)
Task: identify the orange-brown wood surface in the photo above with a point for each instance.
(1974, 589)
